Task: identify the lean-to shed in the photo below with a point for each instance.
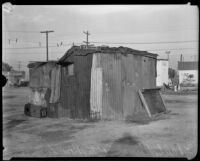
(103, 82)
(44, 84)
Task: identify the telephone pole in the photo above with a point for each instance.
(87, 34)
(47, 32)
(19, 66)
(181, 58)
(167, 52)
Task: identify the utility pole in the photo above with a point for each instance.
(167, 52)
(19, 66)
(87, 34)
(181, 59)
(47, 32)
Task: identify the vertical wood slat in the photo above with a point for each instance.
(144, 103)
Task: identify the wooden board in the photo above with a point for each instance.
(152, 101)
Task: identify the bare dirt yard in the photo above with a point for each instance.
(173, 135)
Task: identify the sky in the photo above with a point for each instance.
(141, 27)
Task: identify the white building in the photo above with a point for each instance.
(188, 73)
(162, 72)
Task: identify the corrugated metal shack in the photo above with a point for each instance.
(98, 82)
(103, 82)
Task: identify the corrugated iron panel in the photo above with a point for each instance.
(112, 94)
(75, 90)
(96, 88)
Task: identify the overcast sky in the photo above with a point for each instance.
(112, 24)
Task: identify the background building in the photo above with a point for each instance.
(162, 72)
(188, 73)
(14, 77)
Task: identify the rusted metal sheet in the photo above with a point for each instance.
(75, 92)
(67, 94)
(132, 68)
(105, 83)
(112, 91)
(40, 76)
(96, 88)
(148, 72)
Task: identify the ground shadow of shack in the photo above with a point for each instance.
(100, 82)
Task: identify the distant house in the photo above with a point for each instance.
(188, 73)
(14, 77)
(162, 72)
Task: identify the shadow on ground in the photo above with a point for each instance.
(128, 146)
(13, 123)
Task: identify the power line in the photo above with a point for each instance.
(13, 31)
(167, 42)
(172, 49)
(42, 47)
(29, 47)
(87, 34)
(136, 49)
(59, 52)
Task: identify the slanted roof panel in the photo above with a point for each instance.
(77, 50)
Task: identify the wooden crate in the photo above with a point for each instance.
(35, 111)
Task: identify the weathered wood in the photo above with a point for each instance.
(162, 100)
(144, 102)
(153, 100)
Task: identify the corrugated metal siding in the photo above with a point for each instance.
(112, 93)
(66, 92)
(132, 82)
(123, 76)
(148, 72)
(96, 88)
(75, 92)
(40, 77)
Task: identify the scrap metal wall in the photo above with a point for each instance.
(115, 82)
(75, 91)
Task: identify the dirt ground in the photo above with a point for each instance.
(174, 135)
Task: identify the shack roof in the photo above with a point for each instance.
(36, 64)
(188, 65)
(77, 50)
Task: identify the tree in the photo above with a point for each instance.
(171, 73)
(6, 67)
